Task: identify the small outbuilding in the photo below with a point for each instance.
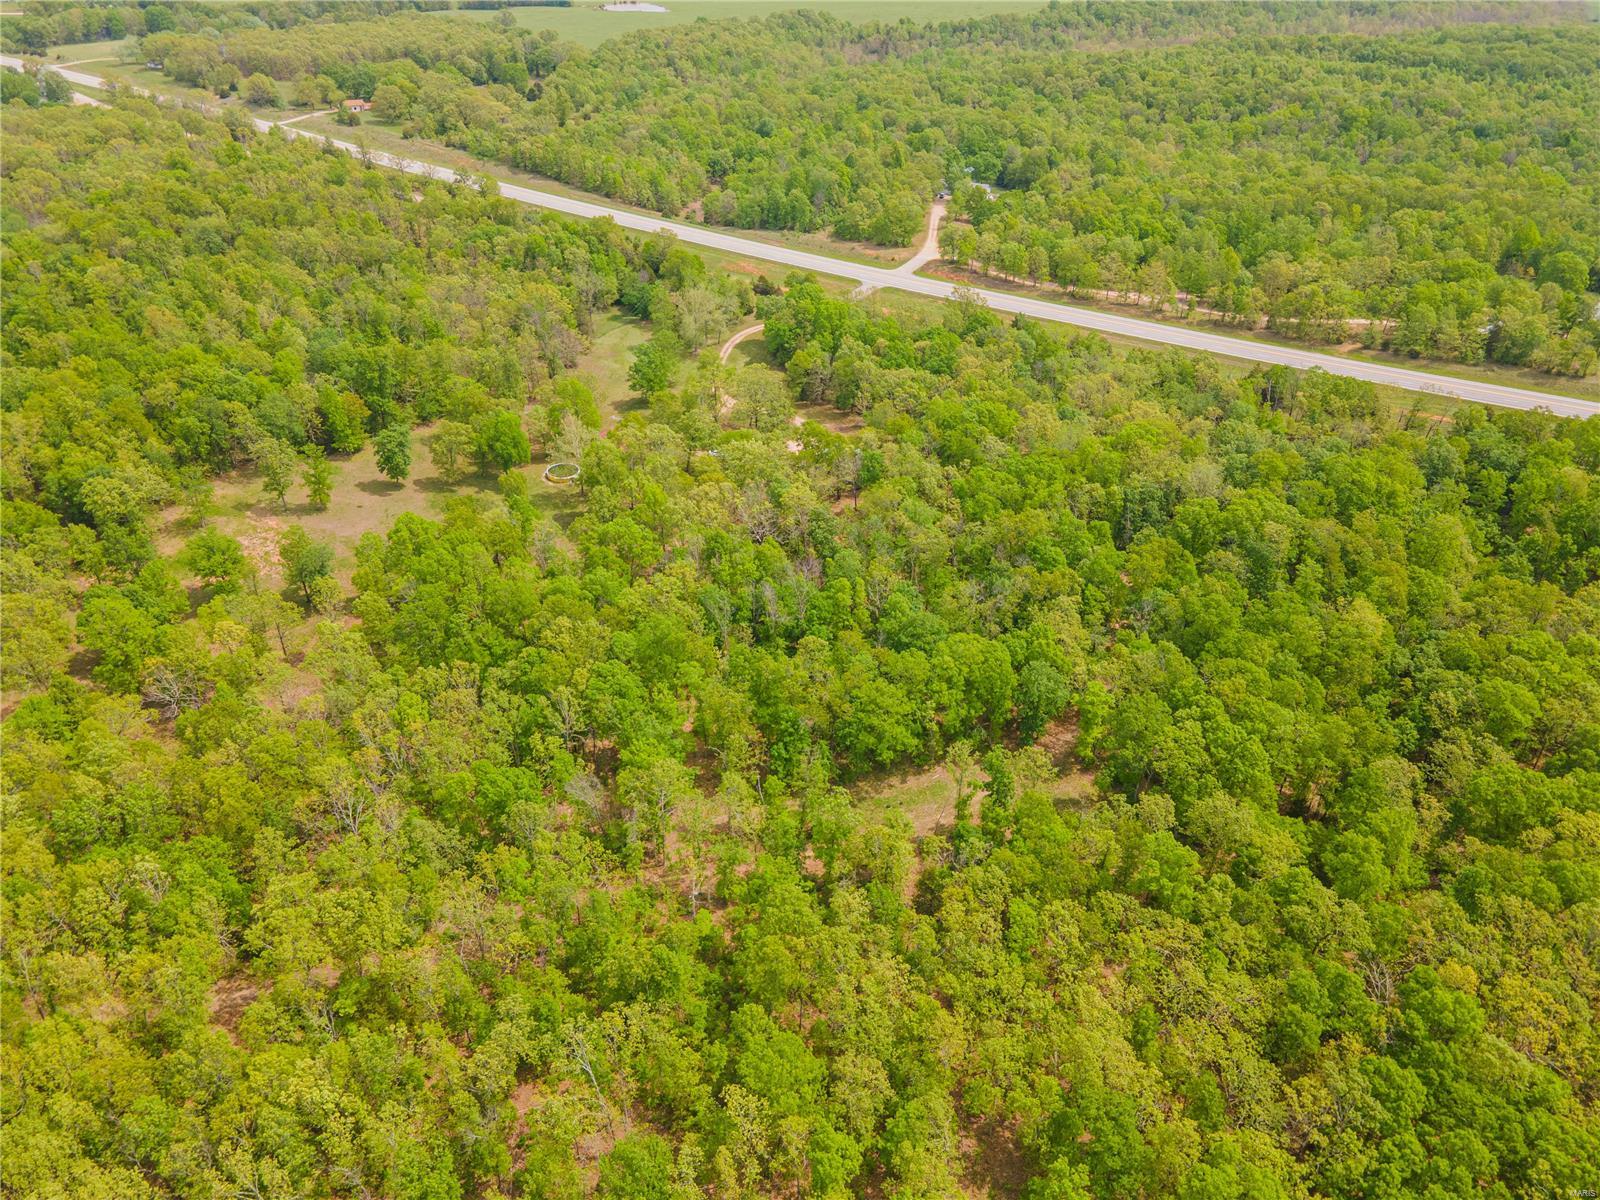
(356, 104)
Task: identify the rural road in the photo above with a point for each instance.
(725, 404)
(929, 250)
(871, 278)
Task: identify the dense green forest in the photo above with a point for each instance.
(31, 26)
(538, 858)
(1425, 185)
(357, 55)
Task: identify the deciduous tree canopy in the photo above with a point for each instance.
(567, 860)
(1424, 185)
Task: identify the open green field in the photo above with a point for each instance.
(133, 73)
(604, 366)
(77, 52)
(590, 24)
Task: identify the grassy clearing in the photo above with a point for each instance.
(364, 501)
(71, 52)
(136, 75)
(1523, 377)
(589, 24)
(753, 268)
(819, 243)
(129, 71)
(927, 797)
(752, 352)
(604, 366)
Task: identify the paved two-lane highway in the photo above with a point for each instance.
(1044, 310)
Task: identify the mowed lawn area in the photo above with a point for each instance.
(604, 366)
(91, 52)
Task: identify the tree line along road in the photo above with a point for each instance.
(882, 277)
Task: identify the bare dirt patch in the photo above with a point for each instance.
(296, 688)
(994, 1165)
(830, 418)
(927, 798)
(229, 998)
(1060, 741)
